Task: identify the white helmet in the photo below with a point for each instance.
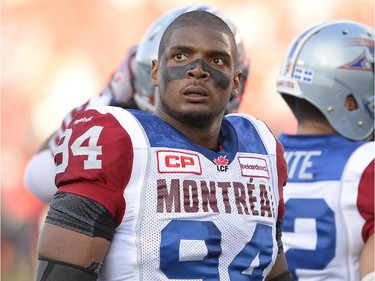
(327, 63)
(148, 50)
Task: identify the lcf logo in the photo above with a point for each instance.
(221, 163)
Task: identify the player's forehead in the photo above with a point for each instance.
(199, 37)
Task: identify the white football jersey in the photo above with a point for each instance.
(329, 201)
(183, 212)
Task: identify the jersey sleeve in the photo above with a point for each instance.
(92, 103)
(94, 159)
(282, 175)
(365, 200)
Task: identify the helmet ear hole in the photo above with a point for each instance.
(351, 103)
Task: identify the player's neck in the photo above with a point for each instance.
(206, 135)
(208, 138)
(310, 128)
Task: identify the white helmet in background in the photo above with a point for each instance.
(148, 50)
(327, 63)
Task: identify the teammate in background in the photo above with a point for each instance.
(184, 193)
(327, 80)
(130, 87)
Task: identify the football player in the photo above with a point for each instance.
(185, 193)
(327, 80)
(129, 87)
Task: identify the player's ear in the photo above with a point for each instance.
(236, 83)
(154, 72)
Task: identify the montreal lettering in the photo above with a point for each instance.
(200, 196)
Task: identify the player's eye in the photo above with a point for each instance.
(180, 57)
(218, 61)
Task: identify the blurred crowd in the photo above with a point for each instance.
(57, 54)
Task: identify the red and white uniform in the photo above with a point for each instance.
(40, 171)
(183, 212)
(119, 91)
(329, 200)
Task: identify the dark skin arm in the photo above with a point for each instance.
(279, 267)
(367, 257)
(71, 247)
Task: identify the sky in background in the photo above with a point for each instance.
(57, 54)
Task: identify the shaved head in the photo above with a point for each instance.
(198, 18)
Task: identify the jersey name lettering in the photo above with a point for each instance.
(300, 163)
(201, 196)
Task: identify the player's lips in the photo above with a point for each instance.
(195, 93)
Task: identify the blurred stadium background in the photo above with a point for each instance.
(57, 54)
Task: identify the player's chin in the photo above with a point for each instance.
(199, 113)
